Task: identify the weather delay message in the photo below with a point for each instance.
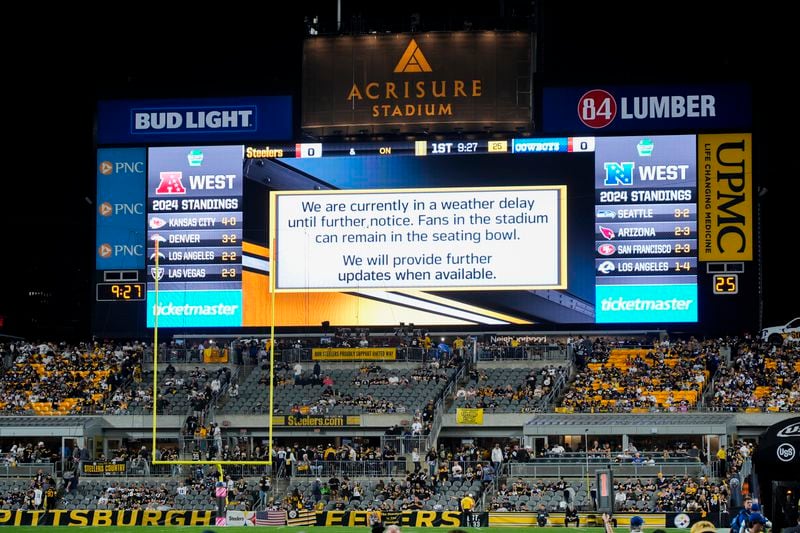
(447, 239)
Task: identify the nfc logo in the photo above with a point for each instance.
(618, 173)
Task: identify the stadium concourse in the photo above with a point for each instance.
(519, 423)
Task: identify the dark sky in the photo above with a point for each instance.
(58, 71)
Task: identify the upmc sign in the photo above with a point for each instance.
(646, 108)
(412, 83)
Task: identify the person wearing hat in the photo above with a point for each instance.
(758, 522)
(467, 504)
(637, 523)
(703, 526)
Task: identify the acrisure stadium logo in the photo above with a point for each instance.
(413, 60)
(786, 452)
(418, 95)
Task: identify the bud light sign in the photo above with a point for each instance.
(193, 120)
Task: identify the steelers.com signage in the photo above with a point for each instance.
(604, 109)
(194, 120)
(403, 83)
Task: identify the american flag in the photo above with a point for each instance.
(271, 518)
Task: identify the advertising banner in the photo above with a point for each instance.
(651, 108)
(414, 83)
(725, 199)
(194, 120)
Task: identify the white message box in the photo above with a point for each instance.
(490, 238)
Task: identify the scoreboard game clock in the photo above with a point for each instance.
(120, 292)
(726, 283)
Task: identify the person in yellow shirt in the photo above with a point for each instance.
(467, 505)
(722, 459)
(458, 346)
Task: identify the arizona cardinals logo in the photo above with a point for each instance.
(608, 233)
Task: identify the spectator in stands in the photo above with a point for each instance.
(415, 459)
(722, 456)
(497, 457)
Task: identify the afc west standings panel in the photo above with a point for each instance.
(195, 219)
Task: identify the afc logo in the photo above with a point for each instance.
(618, 173)
(171, 183)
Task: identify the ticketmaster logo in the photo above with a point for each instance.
(640, 304)
(651, 304)
(195, 310)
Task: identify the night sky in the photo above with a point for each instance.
(57, 70)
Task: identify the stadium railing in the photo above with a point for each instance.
(529, 352)
(578, 468)
(29, 470)
(351, 469)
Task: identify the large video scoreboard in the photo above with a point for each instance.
(548, 233)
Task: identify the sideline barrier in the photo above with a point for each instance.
(83, 517)
(449, 519)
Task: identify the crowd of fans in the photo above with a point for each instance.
(49, 378)
(731, 375)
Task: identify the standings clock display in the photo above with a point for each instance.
(120, 292)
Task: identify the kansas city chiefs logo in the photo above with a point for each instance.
(171, 183)
(157, 223)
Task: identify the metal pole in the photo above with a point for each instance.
(586, 439)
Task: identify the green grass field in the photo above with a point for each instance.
(287, 529)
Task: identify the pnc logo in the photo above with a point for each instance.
(106, 168)
(413, 60)
(105, 209)
(104, 251)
